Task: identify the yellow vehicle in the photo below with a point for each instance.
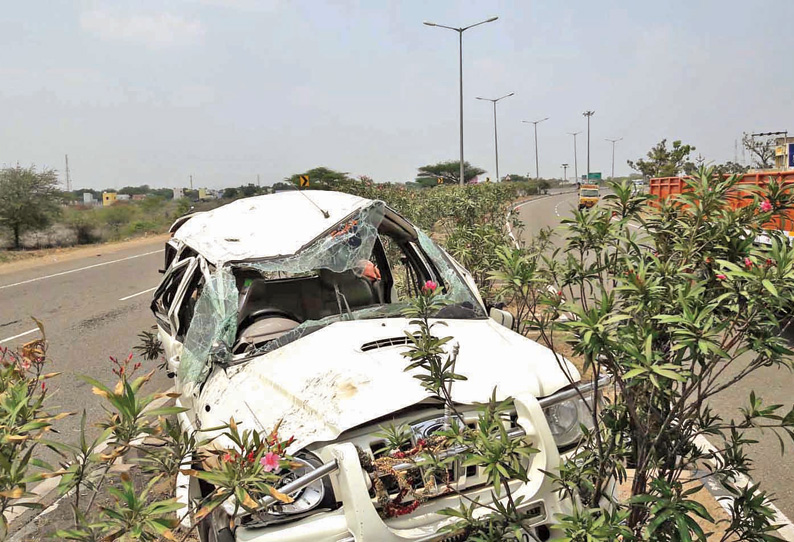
(588, 195)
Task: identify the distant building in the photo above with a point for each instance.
(203, 194)
(179, 193)
(123, 197)
(784, 153)
(108, 198)
(138, 197)
(88, 198)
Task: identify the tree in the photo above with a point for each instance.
(28, 200)
(321, 178)
(730, 168)
(448, 172)
(516, 178)
(664, 162)
(762, 150)
(135, 190)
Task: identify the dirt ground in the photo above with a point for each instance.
(20, 260)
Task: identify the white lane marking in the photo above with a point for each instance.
(79, 269)
(786, 530)
(557, 209)
(139, 293)
(18, 336)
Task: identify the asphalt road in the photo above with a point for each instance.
(776, 386)
(88, 316)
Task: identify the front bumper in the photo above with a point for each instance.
(358, 520)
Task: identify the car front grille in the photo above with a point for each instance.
(418, 478)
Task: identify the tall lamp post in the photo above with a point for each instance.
(613, 141)
(565, 172)
(536, 122)
(588, 114)
(575, 160)
(495, 133)
(460, 65)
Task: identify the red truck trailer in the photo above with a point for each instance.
(668, 186)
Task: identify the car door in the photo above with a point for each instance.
(166, 306)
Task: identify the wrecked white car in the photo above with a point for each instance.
(289, 307)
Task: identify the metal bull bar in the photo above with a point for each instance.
(332, 466)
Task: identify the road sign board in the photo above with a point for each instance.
(594, 175)
(439, 181)
(791, 155)
(304, 180)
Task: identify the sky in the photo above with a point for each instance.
(151, 92)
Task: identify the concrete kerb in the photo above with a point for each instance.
(712, 485)
(45, 493)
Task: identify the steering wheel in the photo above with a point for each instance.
(267, 312)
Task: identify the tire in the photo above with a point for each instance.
(208, 534)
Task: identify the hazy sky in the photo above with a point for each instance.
(152, 91)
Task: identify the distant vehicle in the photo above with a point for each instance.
(588, 195)
(668, 186)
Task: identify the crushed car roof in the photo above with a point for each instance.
(266, 226)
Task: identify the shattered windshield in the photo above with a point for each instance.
(254, 307)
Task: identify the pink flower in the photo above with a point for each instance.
(766, 206)
(748, 262)
(721, 277)
(270, 462)
(429, 286)
(227, 458)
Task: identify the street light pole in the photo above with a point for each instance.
(495, 133)
(575, 160)
(613, 141)
(588, 114)
(460, 66)
(565, 172)
(536, 122)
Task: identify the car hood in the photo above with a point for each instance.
(324, 384)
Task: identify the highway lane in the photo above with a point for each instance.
(775, 386)
(88, 314)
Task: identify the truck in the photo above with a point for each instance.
(664, 187)
(588, 195)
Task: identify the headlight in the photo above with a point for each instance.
(315, 497)
(565, 419)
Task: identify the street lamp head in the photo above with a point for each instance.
(428, 23)
(492, 19)
(484, 99)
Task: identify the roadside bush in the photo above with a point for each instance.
(675, 301)
(116, 216)
(82, 222)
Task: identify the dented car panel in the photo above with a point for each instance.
(266, 316)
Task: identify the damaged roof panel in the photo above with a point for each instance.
(266, 226)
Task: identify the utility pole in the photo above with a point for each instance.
(68, 176)
(191, 182)
(565, 172)
(494, 101)
(259, 184)
(536, 122)
(613, 141)
(460, 32)
(588, 114)
(575, 160)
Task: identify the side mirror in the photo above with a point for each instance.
(502, 317)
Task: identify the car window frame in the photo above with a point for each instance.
(170, 320)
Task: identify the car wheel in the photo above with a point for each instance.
(210, 533)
